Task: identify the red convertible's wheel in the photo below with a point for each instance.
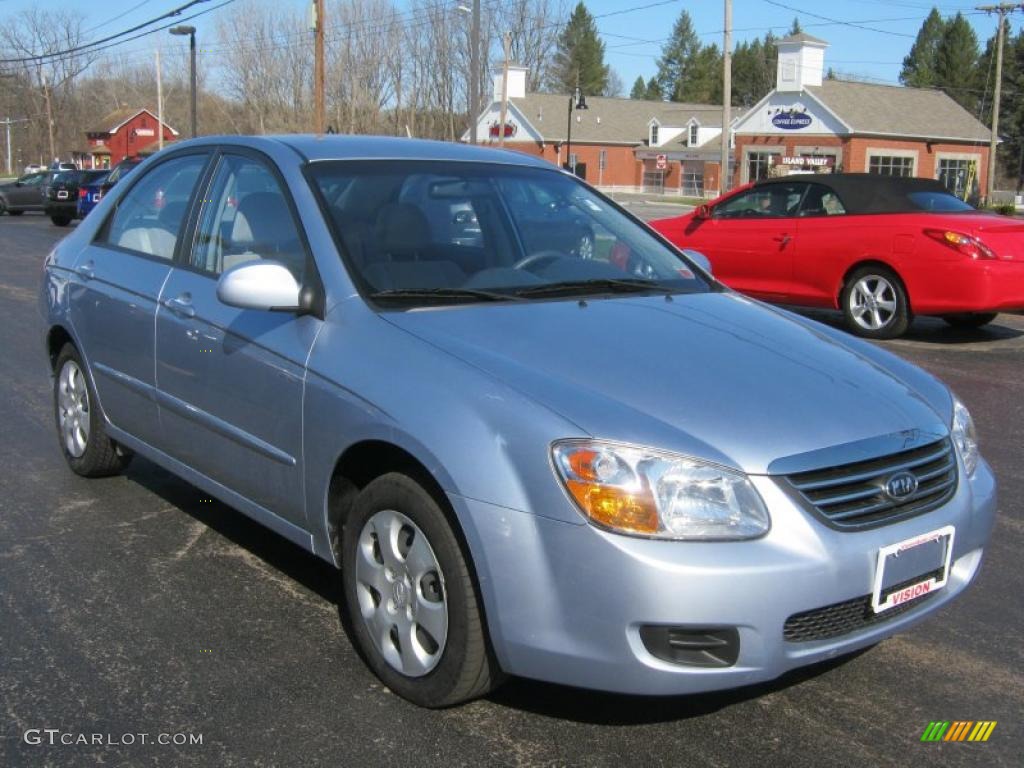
(875, 303)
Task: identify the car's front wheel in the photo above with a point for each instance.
(970, 319)
(86, 447)
(410, 596)
(874, 303)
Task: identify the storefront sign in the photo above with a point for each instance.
(791, 121)
(807, 160)
(145, 132)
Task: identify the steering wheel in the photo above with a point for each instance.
(540, 257)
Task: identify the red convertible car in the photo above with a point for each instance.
(881, 249)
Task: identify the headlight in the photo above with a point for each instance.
(645, 492)
(964, 435)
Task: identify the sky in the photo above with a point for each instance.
(871, 44)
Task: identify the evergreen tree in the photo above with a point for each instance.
(654, 90)
(795, 29)
(579, 57)
(1011, 107)
(956, 63)
(702, 83)
(676, 56)
(919, 66)
(639, 89)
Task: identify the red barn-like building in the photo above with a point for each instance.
(123, 133)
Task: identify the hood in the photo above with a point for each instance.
(712, 375)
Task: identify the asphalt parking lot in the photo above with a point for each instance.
(137, 605)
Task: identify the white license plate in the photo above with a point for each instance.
(62, 194)
(913, 568)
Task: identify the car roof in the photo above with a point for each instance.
(866, 192)
(334, 147)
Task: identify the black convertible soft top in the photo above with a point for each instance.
(872, 193)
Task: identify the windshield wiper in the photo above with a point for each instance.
(600, 285)
(472, 294)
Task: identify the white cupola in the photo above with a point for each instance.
(801, 62)
(516, 82)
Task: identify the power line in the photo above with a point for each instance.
(78, 48)
(852, 24)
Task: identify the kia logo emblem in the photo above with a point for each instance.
(901, 485)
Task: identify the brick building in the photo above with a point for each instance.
(809, 123)
(615, 143)
(806, 124)
(122, 133)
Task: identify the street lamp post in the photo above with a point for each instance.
(191, 32)
(576, 101)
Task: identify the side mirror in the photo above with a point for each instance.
(702, 212)
(264, 285)
(699, 259)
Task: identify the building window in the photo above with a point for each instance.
(654, 135)
(959, 175)
(573, 160)
(887, 165)
(758, 165)
(694, 131)
(602, 159)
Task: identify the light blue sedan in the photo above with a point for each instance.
(582, 462)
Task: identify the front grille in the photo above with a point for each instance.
(854, 495)
(849, 616)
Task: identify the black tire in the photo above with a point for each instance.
(101, 456)
(970, 319)
(3, 206)
(466, 668)
(61, 221)
(889, 318)
(14, 213)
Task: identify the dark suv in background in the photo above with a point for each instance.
(61, 194)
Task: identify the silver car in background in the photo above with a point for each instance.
(592, 465)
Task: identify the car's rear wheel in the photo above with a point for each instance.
(86, 447)
(970, 319)
(874, 303)
(15, 213)
(409, 593)
(61, 221)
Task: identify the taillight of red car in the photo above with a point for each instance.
(968, 245)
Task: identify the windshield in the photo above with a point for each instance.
(423, 232)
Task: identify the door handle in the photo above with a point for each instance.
(181, 305)
(782, 240)
(86, 270)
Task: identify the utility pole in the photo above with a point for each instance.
(1003, 9)
(474, 73)
(319, 74)
(159, 104)
(504, 91)
(49, 120)
(723, 173)
(8, 122)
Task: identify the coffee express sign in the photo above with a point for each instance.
(791, 120)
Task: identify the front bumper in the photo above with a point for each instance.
(565, 603)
